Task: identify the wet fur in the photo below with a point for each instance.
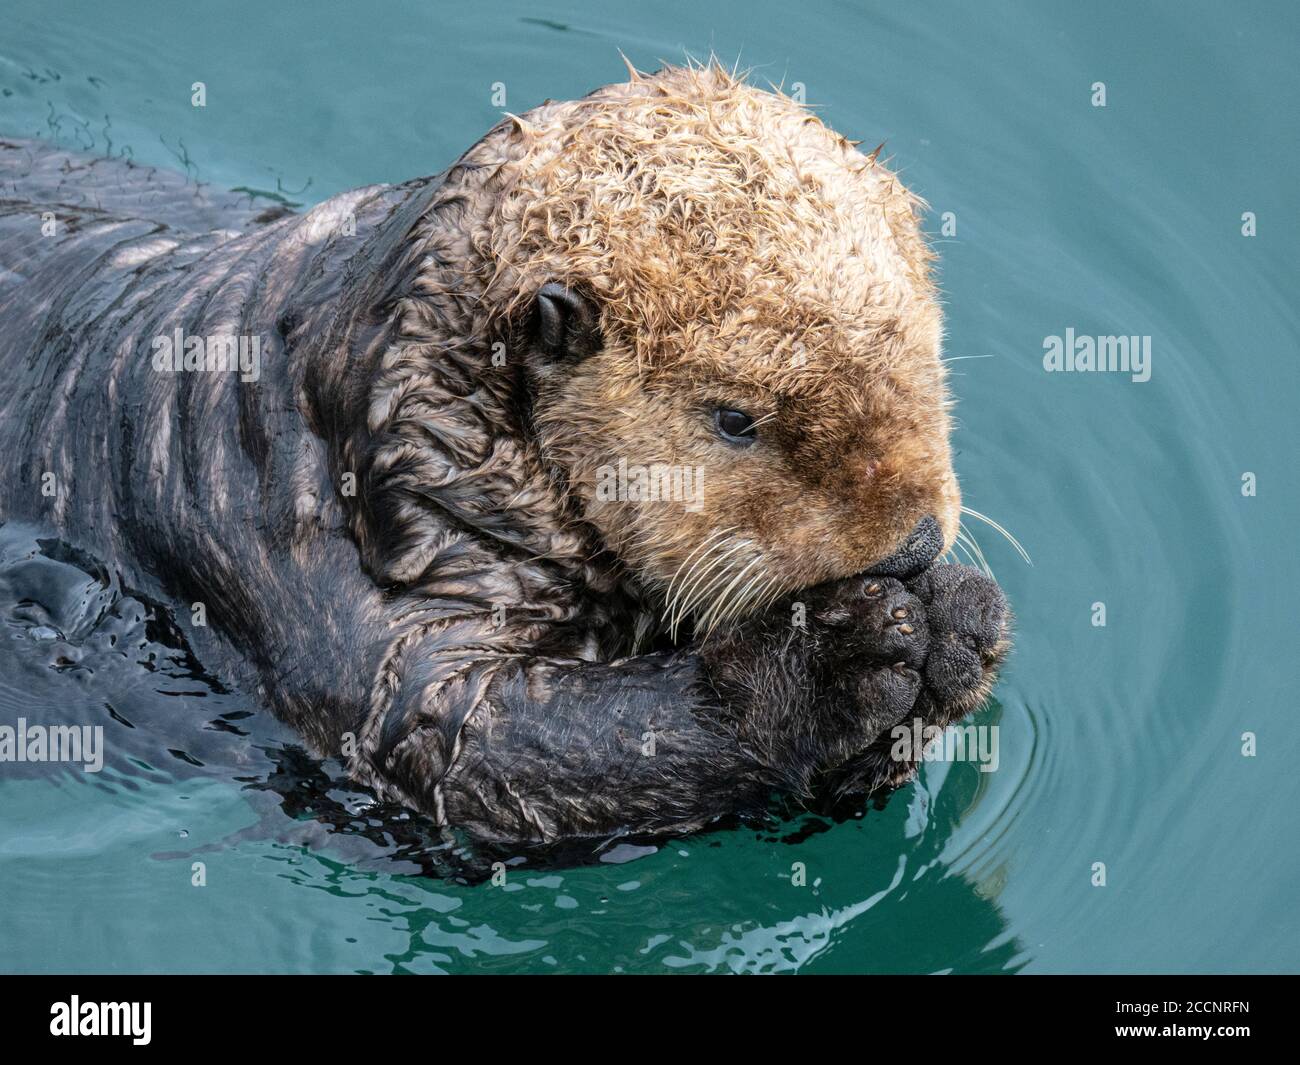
(367, 620)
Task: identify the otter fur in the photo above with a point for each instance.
(395, 523)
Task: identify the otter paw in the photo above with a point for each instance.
(969, 622)
(883, 695)
(874, 621)
(873, 641)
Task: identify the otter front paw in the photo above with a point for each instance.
(872, 641)
(969, 622)
(959, 622)
(813, 683)
(814, 701)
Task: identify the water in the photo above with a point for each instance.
(1119, 744)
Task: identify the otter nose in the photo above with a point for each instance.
(921, 547)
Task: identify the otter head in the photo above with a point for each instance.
(721, 301)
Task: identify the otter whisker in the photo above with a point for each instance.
(700, 570)
(727, 599)
(709, 568)
(714, 615)
(960, 553)
(765, 418)
(966, 556)
(967, 538)
(772, 593)
(1006, 535)
(695, 586)
(757, 594)
(745, 599)
(979, 551)
(767, 595)
(691, 564)
(971, 547)
(668, 594)
(715, 575)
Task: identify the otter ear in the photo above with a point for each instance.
(566, 323)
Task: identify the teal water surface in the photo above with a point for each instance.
(1119, 744)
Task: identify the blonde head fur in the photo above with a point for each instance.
(740, 255)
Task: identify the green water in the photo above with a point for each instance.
(1119, 744)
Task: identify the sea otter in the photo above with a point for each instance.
(361, 450)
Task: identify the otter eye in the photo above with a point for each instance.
(734, 426)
